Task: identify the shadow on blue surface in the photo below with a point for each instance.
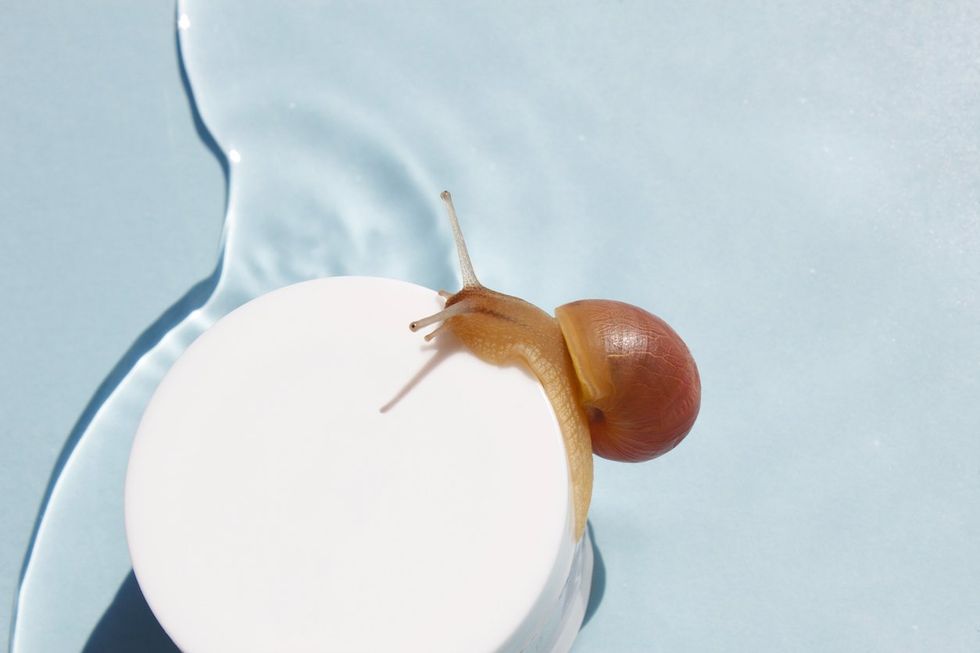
(193, 299)
(128, 625)
(598, 579)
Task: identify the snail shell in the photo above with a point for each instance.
(638, 380)
(622, 383)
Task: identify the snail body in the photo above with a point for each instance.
(621, 382)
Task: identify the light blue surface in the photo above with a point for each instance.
(794, 189)
(110, 209)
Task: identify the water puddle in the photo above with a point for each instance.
(338, 128)
(792, 186)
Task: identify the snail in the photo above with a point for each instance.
(622, 383)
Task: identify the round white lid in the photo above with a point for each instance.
(270, 505)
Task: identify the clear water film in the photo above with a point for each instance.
(794, 188)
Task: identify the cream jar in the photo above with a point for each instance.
(310, 476)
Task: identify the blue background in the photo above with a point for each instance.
(793, 187)
(110, 209)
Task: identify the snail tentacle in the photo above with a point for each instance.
(443, 315)
(465, 266)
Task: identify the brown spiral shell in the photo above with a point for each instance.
(638, 380)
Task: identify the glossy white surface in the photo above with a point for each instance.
(270, 504)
